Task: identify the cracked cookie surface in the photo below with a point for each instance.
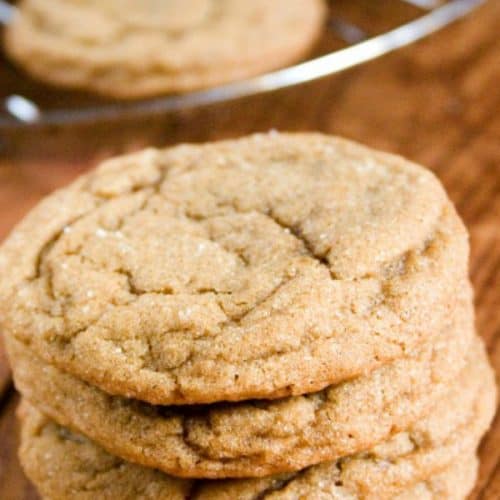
(412, 464)
(269, 266)
(255, 438)
(138, 48)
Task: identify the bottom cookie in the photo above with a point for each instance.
(433, 461)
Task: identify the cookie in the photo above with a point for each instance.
(269, 266)
(455, 483)
(63, 464)
(135, 49)
(255, 438)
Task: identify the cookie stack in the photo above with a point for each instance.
(282, 316)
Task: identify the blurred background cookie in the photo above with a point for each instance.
(131, 49)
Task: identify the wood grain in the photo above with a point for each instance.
(436, 102)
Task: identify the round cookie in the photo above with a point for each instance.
(136, 49)
(255, 438)
(63, 464)
(269, 266)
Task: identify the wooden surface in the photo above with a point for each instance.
(437, 102)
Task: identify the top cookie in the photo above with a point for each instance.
(268, 266)
(138, 48)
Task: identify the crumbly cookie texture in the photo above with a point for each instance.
(268, 266)
(412, 464)
(256, 438)
(455, 483)
(131, 49)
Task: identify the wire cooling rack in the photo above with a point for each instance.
(356, 32)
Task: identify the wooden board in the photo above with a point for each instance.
(437, 102)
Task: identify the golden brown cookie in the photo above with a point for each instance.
(256, 438)
(455, 483)
(132, 48)
(269, 266)
(66, 465)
